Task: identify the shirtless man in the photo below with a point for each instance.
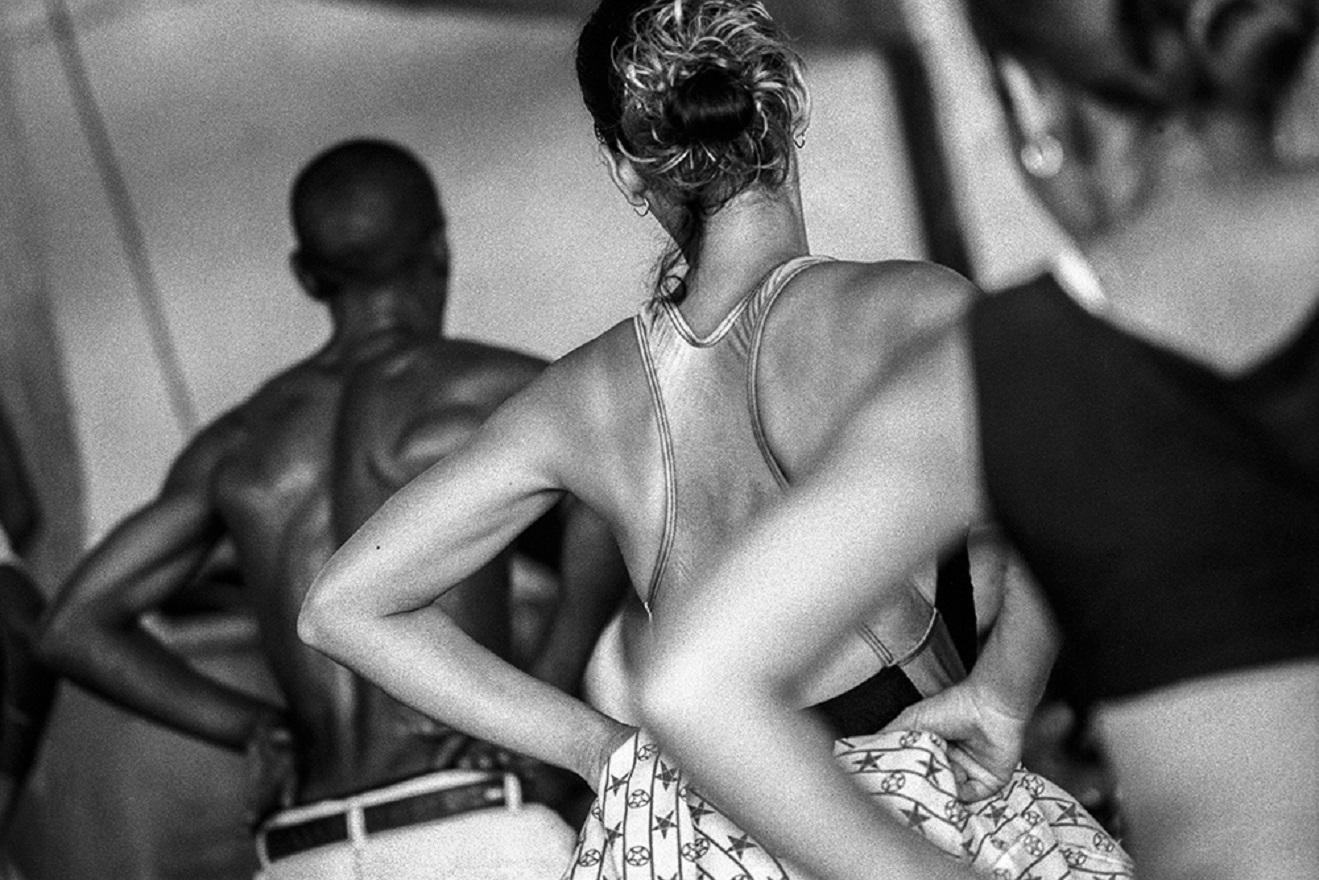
(288, 475)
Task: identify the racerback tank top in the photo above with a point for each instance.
(719, 472)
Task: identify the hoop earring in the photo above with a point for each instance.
(642, 209)
(1042, 156)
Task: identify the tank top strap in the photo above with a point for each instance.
(764, 297)
(757, 313)
(710, 453)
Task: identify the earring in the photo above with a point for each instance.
(1042, 156)
(642, 209)
(799, 139)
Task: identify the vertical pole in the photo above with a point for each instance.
(33, 390)
(131, 236)
(887, 30)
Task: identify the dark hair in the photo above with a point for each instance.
(1159, 55)
(363, 211)
(703, 96)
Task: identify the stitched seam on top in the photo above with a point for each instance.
(875, 643)
(753, 359)
(666, 456)
(924, 639)
(718, 333)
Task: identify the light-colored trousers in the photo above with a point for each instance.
(515, 842)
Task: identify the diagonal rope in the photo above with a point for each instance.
(131, 236)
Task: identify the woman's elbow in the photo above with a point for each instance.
(324, 619)
(688, 692)
(677, 692)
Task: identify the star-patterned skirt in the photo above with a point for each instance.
(647, 823)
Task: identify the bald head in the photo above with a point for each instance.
(363, 212)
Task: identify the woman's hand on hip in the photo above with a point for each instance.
(985, 741)
(609, 742)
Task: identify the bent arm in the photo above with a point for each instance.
(900, 485)
(20, 514)
(371, 607)
(94, 631)
(28, 686)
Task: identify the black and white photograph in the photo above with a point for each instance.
(659, 439)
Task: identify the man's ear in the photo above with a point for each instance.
(1031, 102)
(306, 280)
(438, 245)
(1081, 156)
(624, 175)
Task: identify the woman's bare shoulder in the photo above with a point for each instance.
(904, 294)
(579, 378)
(851, 311)
(839, 329)
(854, 308)
(579, 395)
(592, 411)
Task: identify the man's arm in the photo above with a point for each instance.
(20, 515)
(28, 686)
(94, 633)
(592, 584)
(373, 606)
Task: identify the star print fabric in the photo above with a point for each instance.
(649, 823)
(1031, 830)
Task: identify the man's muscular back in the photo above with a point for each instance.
(318, 449)
(291, 472)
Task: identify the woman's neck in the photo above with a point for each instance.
(1252, 218)
(742, 243)
(1212, 191)
(1220, 268)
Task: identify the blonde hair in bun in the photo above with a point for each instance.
(713, 99)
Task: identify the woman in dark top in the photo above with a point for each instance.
(1145, 424)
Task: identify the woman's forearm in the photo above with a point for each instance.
(423, 659)
(1017, 657)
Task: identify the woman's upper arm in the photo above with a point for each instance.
(453, 518)
(833, 335)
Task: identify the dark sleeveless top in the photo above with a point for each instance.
(1170, 512)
